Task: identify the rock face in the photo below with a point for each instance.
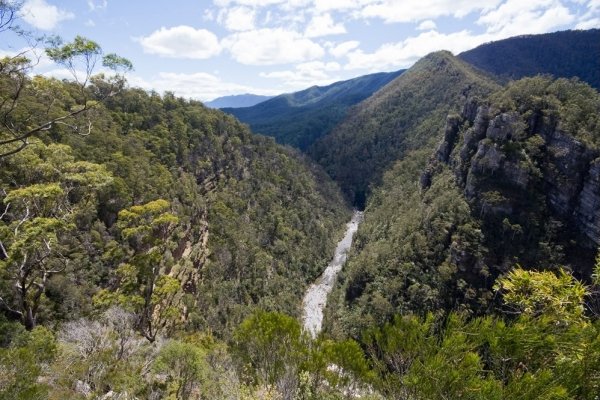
(522, 173)
(588, 208)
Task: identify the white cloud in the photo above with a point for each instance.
(427, 25)
(238, 18)
(323, 25)
(517, 17)
(90, 22)
(249, 3)
(402, 54)
(271, 46)
(417, 10)
(201, 86)
(181, 42)
(514, 17)
(94, 5)
(589, 24)
(344, 48)
(306, 74)
(335, 5)
(41, 15)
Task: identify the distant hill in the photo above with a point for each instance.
(405, 114)
(238, 100)
(300, 118)
(562, 54)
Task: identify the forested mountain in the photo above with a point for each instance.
(238, 100)
(247, 209)
(151, 247)
(513, 181)
(405, 114)
(300, 118)
(565, 54)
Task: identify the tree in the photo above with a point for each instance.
(22, 362)
(19, 119)
(544, 294)
(37, 218)
(186, 368)
(270, 346)
(141, 282)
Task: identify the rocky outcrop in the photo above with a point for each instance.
(522, 169)
(588, 207)
(567, 164)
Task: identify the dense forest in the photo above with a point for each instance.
(299, 119)
(566, 54)
(405, 114)
(508, 185)
(153, 248)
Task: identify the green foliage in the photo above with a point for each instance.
(405, 115)
(544, 293)
(269, 345)
(299, 119)
(40, 216)
(185, 368)
(22, 363)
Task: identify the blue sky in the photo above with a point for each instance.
(205, 49)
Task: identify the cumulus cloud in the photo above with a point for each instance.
(427, 25)
(589, 24)
(417, 10)
(200, 86)
(404, 53)
(250, 3)
(237, 18)
(181, 42)
(271, 47)
(44, 16)
(323, 25)
(516, 17)
(344, 48)
(306, 74)
(513, 17)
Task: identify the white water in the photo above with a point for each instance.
(316, 295)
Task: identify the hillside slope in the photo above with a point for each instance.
(405, 114)
(256, 222)
(515, 180)
(300, 118)
(562, 54)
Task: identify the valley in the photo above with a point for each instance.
(430, 233)
(315, 298)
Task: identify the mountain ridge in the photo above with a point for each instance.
(300, 118)
(566, 54)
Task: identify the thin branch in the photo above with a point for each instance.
(22, 221)
(45, 126)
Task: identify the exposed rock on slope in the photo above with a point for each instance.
(513, 180)
(517, 164)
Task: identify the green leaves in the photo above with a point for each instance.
(116, 63)
(544, 294)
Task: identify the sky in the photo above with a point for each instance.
(204, 49)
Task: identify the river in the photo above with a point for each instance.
(315, 298)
